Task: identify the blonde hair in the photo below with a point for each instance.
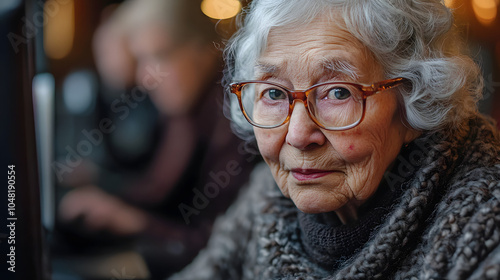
(183, 19)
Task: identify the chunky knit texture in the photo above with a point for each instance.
(445, 224)
(329, 242)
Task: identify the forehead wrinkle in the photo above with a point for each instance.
(266, 69)
(340, 67)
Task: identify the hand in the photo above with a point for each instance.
(101, 211)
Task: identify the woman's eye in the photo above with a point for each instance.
(274, 94)
(339, 93)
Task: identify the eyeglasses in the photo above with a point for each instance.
(332, 106)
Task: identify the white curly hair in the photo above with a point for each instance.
(415, 39)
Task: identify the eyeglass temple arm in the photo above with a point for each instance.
(235, 88)
(387, 84)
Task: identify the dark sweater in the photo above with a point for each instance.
(445, 223)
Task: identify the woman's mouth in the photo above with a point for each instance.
(309, 174)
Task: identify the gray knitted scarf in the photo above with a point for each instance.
(442, 223)
(329, 242)
(444, 213)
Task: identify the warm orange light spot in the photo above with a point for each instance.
(59, 30)
(221, 9)
(449, 3)
(485, 10)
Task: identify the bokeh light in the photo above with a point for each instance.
(485, 10)
(221, 9)
(449, 3)
(59, 30)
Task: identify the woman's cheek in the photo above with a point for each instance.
(353, 151)
(269, 143)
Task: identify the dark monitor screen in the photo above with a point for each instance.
(22, 250)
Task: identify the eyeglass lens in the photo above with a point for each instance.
(333, 105)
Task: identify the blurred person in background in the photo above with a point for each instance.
(198, 163)
(114, 61)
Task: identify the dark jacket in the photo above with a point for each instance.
(183, 210)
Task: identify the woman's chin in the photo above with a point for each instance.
(313, 202)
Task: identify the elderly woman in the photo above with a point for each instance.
(378, 164)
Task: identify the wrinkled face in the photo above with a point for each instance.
(172, 73)
(323, 171)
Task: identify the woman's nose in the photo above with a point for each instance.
(303, 133)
